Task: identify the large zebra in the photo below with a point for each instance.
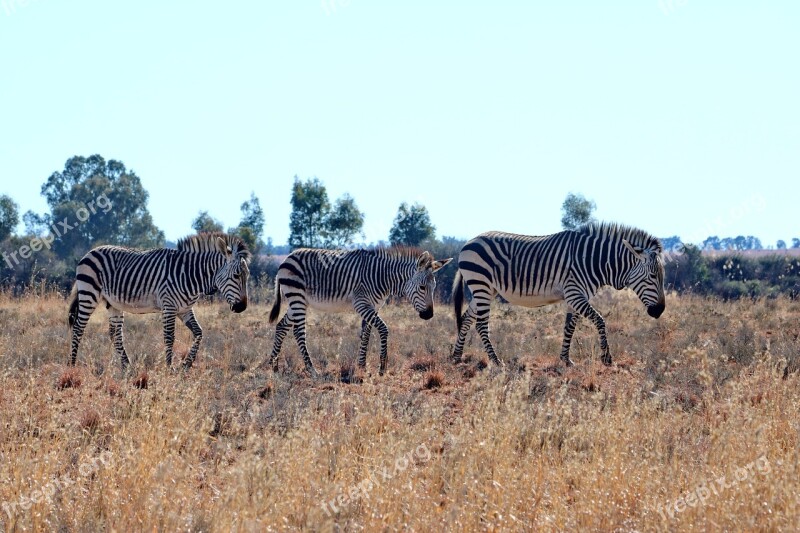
(148, 281)
(335, 280)
(571, 265)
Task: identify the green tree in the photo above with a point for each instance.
(310, 207)
(576, 211)
(9, 217)
(343, 223)
(781, 244)
(205, 222)
(94, 201)
(251, 227)
(412, 225)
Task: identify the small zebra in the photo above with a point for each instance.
(149, 281)
(571, 265)
(336, 280)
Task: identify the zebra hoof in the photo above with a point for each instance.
(311, 372)
(606, 359)
(568, 362)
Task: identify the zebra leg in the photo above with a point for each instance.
(300, 337)
(84, 307)
(115, 322)
(467, 319)
(584, 308)
(168, 319)
(482, 326)
(280, 333)
(366, 329)
(197, 334)
(569, 329)
(370, 316)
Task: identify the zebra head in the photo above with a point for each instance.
(231, 278)
(419, 288)
(646, 277)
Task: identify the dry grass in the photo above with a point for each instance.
(696, 395)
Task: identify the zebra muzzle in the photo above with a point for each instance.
(239, 306)
(656, 310)
(427, 314)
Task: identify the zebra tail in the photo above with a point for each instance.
(458, 298)
(73, 306)
(276, 307)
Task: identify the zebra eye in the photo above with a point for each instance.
(423, 288)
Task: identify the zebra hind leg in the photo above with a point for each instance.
(569, 329)
(300, 337)
(116, 320)
(81, 309)
(197, 334)
(366, 329)
(467, 319)
(280, 334)
(168, 321)
(483, 328)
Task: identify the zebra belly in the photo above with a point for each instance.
(147, 304)
(332, 306)
(532, 300)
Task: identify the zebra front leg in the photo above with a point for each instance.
(583, 307)
(569, 329)
(366, 329)
(115, 324)
(280, 333)
(168, 320)
(371, 318)
(467, 319)
(197, 333)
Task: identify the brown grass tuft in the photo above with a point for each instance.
(422, 364)
(142, 380)
(433, 380)
(70, 379)
(90, 420)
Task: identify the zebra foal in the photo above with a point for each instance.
(149, 281)
(338, 280)
(571, 265)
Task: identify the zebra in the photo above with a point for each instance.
(166, 280)
(336, 280)
(539, 270)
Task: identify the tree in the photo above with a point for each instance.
(576, 211)
(795, 242)
(94, 201)
(9, 216)
(251, 227)
(781, 244)
(314, 224)
(712, 243)
(344, 222)
(412, 225)
(205, 222)
(310, 207)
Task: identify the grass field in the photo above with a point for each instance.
(696, 426)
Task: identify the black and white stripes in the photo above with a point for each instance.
(337, 280)
(570, 265)
(148, 281)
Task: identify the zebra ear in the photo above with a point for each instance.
(634, 251)
(424, 260)
(223, 247)
(439, 264)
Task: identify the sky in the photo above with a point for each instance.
(681, 117)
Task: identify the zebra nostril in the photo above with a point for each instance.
(427, 314)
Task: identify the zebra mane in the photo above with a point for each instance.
(635, 236)
(206, 241)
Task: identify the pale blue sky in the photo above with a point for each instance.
(680, 117)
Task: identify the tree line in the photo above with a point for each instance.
(94, 201)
